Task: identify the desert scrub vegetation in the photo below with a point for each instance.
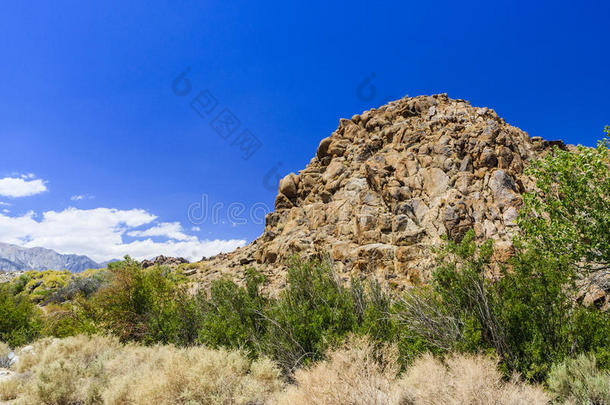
(4, 353)
(579, 381)
(521, 313)
(526, 315)
(56, 286)
(62, 296)
(150, 318)
(102, 370)
(359, 372)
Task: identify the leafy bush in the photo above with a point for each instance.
(373, 306)
(569, 216)
(69, 319)
(141, 304)
(526, 314)
(314, 310)
(424, 324)
(20, 319)
(38, 285)
(536, 312)
(234, 316)
(578, 380)
(312, 313)
(466, 292)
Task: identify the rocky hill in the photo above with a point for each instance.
(387, 184)
(15, 258)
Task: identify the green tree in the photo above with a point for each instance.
(569, 216)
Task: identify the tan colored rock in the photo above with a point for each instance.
(323, 148)
(333, 170)
(387, 185)
(282, 202)
(504, 189)
(288, 186)
(436, 181)
(594, 291)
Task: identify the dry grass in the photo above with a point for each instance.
(464, 380)
(353, 376)
(4, 351)
(100, 370)
(9, 389)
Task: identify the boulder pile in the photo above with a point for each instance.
(386, 186)
(164, 261)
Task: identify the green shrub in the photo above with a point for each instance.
(373, 306)
(38, 285)
(314, 311)
(591, 331)
(20, 319)
(526, 314)
(69, 319)
(467, 294)
(234, 317)
(578, 380)
(424, 324)
(537, 312)
(84, 284)
(141, 304)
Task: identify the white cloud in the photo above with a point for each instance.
(98, 233)
(79, 197)
(195, 229)
(172, 230)
(22, 186)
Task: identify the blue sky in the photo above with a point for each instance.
(89, 113)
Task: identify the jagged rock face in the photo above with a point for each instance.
(594, 291)
(164, 261)
(388, 184)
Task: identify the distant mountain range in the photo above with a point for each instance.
(15, 258)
